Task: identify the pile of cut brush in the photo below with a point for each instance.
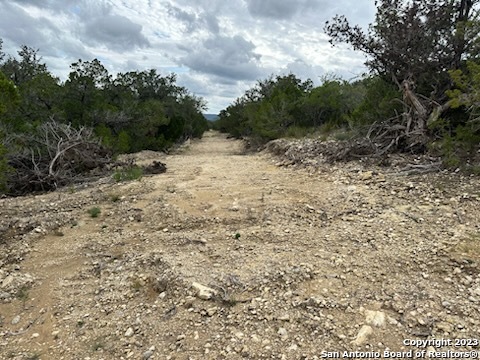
(59, 154)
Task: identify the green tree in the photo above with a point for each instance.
(9, 99)
(9, 96)
(83, 97)
(326, 103)
(2, 54)
(24, 69)
(38, 89)
(414, 44)
(381, 101)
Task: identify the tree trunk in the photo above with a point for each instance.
(417, 122)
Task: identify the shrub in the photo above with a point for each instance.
(94, 212)
(128, 174)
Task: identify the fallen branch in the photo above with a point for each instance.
(419, 169)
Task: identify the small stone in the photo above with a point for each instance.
(147, 354)
(16, 320)
(367, 175)
(444, 326)
(129, 332)
(212, 311)
(255, 338)
(7, 281)
(375, 318)
(283, 333)
(365, 332)
(55, 334)
(203, 292)
(35, 335)
(293, 347)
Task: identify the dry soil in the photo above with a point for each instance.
(229, 255)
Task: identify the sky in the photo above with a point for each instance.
(217, 48)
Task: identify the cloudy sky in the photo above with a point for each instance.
(218, 48)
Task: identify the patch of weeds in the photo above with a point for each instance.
(298, 132)
(473, 169)
(237, 236)
(80, 323)
(128, 174)
(94, 212)
(23, 294)
(451, 161)
(114, 197)
(323, 137)
(74, 223)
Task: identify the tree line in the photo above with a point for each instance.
(421, 92)
(44, 122)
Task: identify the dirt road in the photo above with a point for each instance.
(228, 256)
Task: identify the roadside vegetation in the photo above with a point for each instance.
(421, 93)
(53, 132)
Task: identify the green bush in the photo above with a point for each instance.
(380, 102)
(94, 212)
(128, 174)
(299, 131)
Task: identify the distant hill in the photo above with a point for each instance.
(211, 117)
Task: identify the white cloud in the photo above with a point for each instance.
(227, 57)
(219, 48)
(115, 32)
(284, 9)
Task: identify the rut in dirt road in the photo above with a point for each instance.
(293, 263)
